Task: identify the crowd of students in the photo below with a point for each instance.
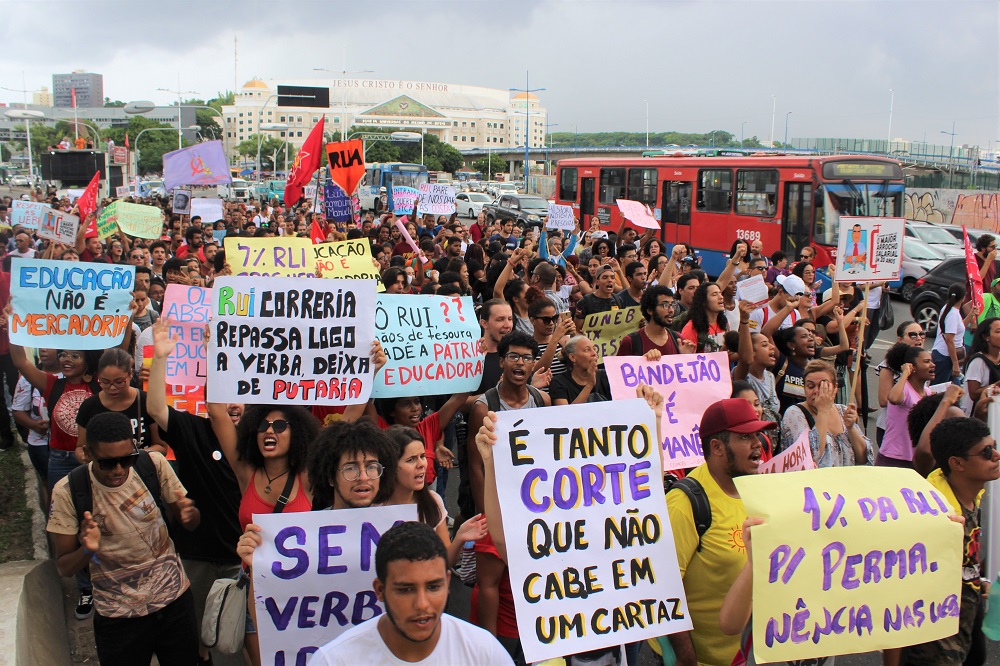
(146, 566)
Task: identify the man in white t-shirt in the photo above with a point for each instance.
(782, 305)
(411, 565)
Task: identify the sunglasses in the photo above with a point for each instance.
(278, 426)
(109, 464)
(915, 336)
(548, 321)
(986, 453)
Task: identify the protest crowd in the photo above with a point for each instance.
(158, 488)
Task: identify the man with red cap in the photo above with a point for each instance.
(711, 558)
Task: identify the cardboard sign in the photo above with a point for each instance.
(637, 213)
(313, 574)
(560, 217)
(188, 309)
(689, 383)
(210, 210)
(122, 191)
(850, 559)
(181, 202)
(134, 219)
(588, 538)
(436, 199)
(291, 340)
(27, 213)
(753, 289)
(291, 256)
(69, 305)
(336, 204)
(606, 329)
(870, 249)
(795, 458)
(403, 200)
(432, 345)
(348, 259)
(59, 226)
(347, 163)
(190, 399)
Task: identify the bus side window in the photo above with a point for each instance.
(676, 202)
(568, 185)
(715, 190)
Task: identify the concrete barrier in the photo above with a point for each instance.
(33, 628)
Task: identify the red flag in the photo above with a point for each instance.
(318, 231)
(73, 91)
(88, 200)
(305, 164)
(974, 279)
(126, 140)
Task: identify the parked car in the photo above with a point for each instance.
(919, 258)
(525, 210)
(936, 235)
(19, 181)
(930, 292)
(238, 190)
(470, 203)
(956, 231)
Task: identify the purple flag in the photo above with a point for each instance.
(200, 164)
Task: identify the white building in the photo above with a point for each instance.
(463, 116)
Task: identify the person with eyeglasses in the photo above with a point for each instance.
(551, 330)
(142, 596)
(966, 459)
(982, 368)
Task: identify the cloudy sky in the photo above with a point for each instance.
(701, 65)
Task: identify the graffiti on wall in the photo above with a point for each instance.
(974, 209)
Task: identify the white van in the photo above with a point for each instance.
(238, 190)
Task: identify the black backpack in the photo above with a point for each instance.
(701, 510)
(81, 492)
(636, 340)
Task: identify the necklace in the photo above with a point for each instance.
(270, 480)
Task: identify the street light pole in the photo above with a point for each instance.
(527, 143)
(774, 107)
(343, 95)
(27, 115)
(647, 122)
(742, 125)
(786, 129)
(178, 92)
(951, 151)
(888, 136)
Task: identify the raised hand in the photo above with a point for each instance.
(378, 356)
(90, 533)
(652, 398)
(487, 436)
(473, 529)
(163, 344)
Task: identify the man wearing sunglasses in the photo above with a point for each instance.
(966, 458)
(142, 598)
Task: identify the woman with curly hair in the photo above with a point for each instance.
(707, 324)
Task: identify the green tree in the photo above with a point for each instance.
(499, 165)
(151, 147)
(270, 147)
(108, 103)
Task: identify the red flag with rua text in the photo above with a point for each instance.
(87, 203)
(974, 279)
(305, 164)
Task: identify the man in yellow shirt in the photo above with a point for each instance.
(710, 563)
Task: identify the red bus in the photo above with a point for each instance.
(785, 201)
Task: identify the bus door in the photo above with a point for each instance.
(796, 222)
(588, 191)
(676, 211)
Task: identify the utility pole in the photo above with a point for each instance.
(774, 107)
(180, 108)
(528, 92)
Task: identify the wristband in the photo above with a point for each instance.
(87, 550)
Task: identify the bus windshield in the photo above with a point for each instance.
(856, 200)
(407, 178)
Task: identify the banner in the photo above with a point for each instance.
(796, 457)
(291, 256)
(201, 164)
(403, 200)
(347, 163)
(292, 340)
(313, 575)
(69, 305)
(560, 217)
(210, 210)
(590, 551)
(188, 309)
(436, 199)
(122, 191)
(637, 213)
(432, 345)
(27, 213)
(870, 249)
(119, 155)
(133, 219)
(59, 226)
(606, 329)
(181, 202)
(348, 259)
(850, 559)
(689, 383)
(336, 204)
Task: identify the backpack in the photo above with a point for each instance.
(701, 510)
(493, 398)
(636, 340)
(82, 494)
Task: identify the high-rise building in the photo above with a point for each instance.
(89, 89)
(42, 98)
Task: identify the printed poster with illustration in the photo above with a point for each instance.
(870, 249)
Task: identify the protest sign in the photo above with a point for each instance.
(606, 329)
(436, 199)
(74, 193)
(27, 213)
(432, 347)
(336, 203)
(403, 199)
(850, 559)
(346, 163)
(134, 219)
(637, 213)
(753, 289)
(796, 457)
(292, 340)
(69, 305)
(589, 545)
(219, 235)
(689, 383)
(349, 259)
(119, 154)
(201, 164)
(188, 309)
(870, 249)
(190, 399)
(560, 217)
(313, 575)
(288, 256)
(181, 202)
(121, 191)
(59, 226)
(210, 210)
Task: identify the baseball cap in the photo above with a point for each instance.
(599, 234)
(733, 415)
(994, 283)
(689, 260)
(792, 284)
